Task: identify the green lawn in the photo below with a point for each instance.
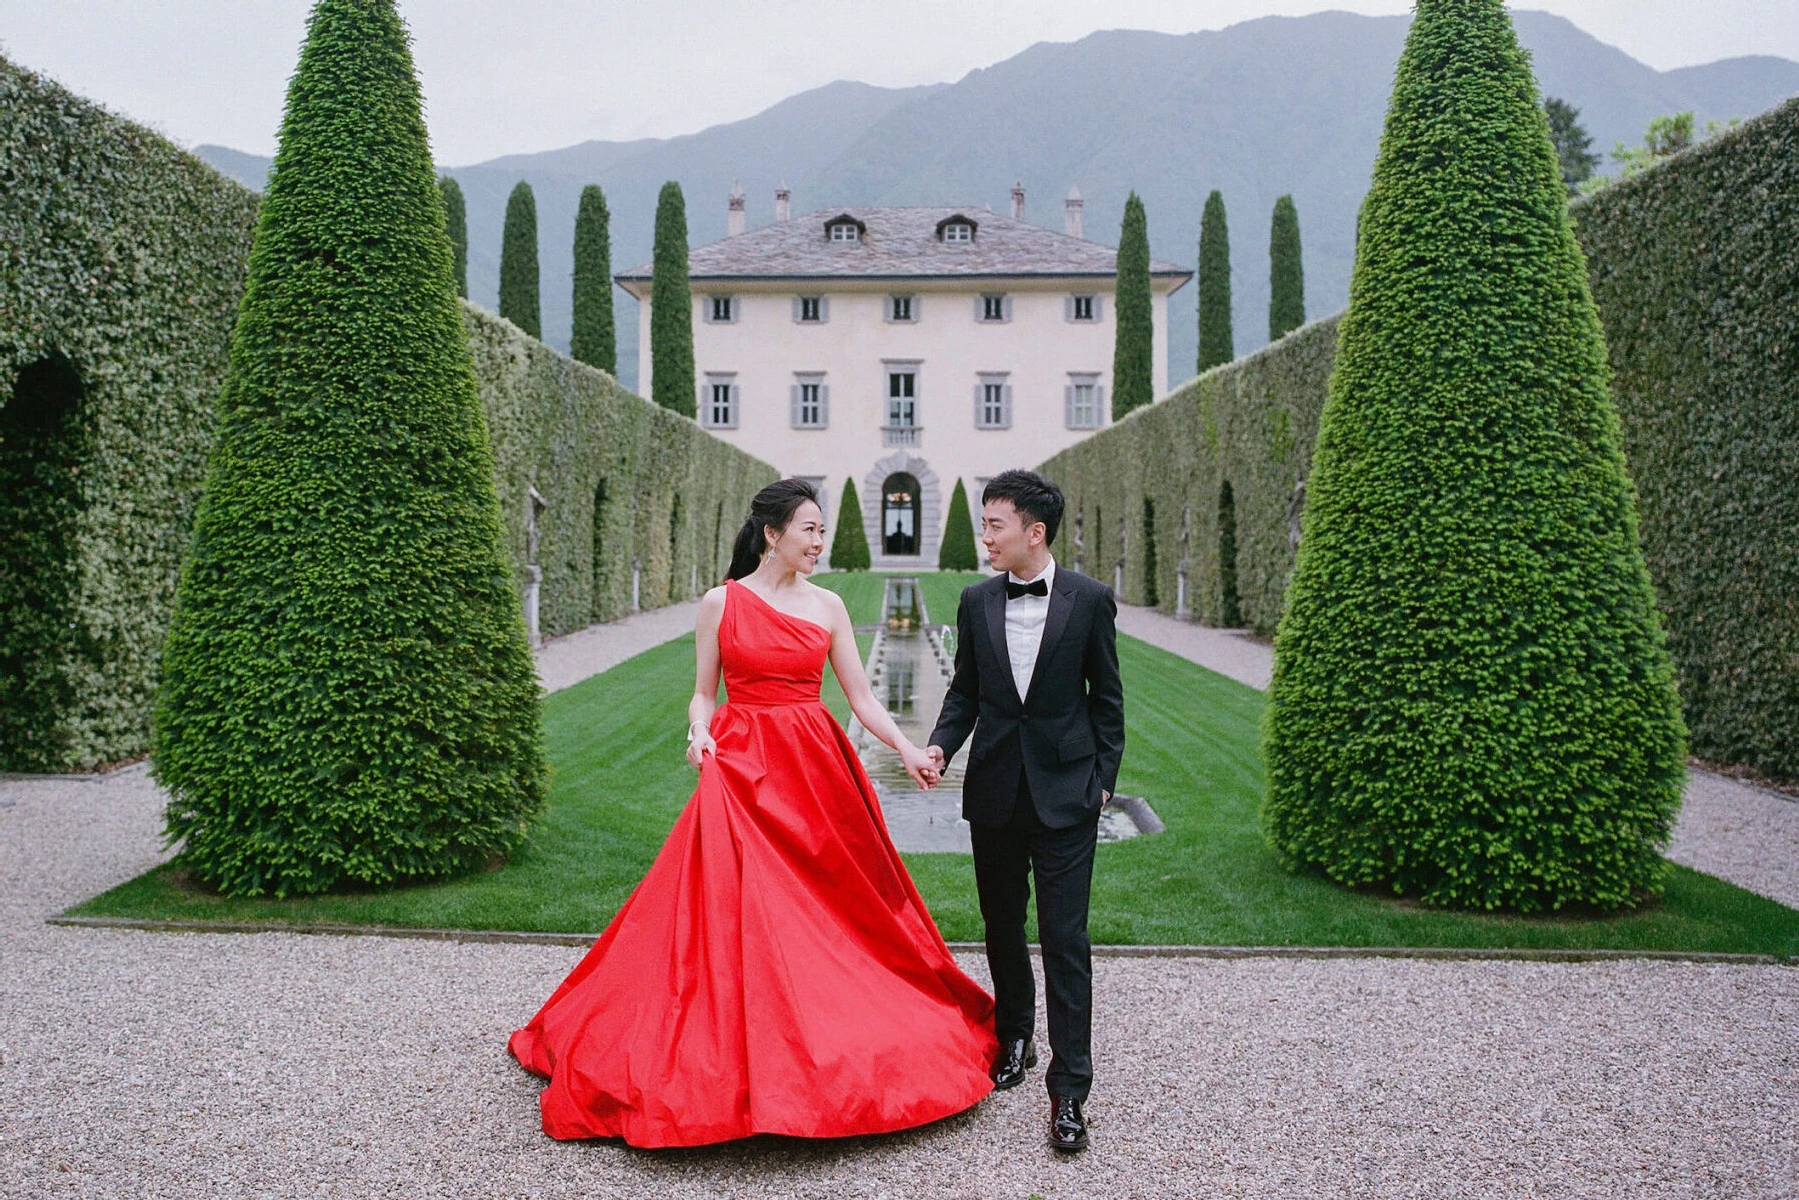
(620, 780)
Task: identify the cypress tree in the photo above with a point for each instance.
(594, 340)
(1286, 274)
(849, 545)
(1214, 286)
(1471, 700)
(957, 550)
(1133, 345)
(519, 302)
(456, 220)
(671, 307)
(347, 695)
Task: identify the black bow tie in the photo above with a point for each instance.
(1036, 587)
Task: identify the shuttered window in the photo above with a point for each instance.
(811, 402)
(993, 402)
(1085, 401)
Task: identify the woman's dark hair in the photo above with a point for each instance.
(772, 508)
(1034, 497)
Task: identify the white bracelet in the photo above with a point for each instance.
(696, 724)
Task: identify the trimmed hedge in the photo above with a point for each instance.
(1695, 268)
(574, 433)
(671, 308)
(956, 552)
(594, 340)
(1716, 501)
(849, 546)
(1215, 342)
(348, 697)
(1252, 423)
(1472, 703)
(1286, 272)
(521, 299)
(126, 258)
(1133, 355)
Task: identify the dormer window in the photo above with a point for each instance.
(956, 230)
(844, 228)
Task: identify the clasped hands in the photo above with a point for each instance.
(924, 766)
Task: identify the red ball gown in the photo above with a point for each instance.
(776, 970)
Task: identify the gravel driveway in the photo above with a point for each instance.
(278, 1065)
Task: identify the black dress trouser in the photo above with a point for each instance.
(1005, 857)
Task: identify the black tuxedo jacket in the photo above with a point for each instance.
(1067, 735)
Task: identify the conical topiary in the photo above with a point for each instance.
(1215, 343)
(1133, 345)
(1286, 275)
(456, 223)
(593, 340)
(1471, 700)
(957, 551)
(347, 695)
(849, 545)
(671, 307)
(520, 301)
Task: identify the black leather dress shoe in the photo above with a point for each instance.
(1015, 1058)
(1067, 1125)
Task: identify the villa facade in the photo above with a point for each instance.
(903, 349)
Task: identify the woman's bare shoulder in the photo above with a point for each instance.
(712, 605)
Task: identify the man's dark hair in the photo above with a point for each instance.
(1035, 498)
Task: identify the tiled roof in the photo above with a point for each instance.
(900, 243)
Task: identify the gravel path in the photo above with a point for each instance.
(567, 660)
(1745, 834)
(278, 1065)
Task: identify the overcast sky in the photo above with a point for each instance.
(526, 75)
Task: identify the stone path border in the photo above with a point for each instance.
(528, 938)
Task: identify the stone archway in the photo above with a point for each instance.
(929, 520)
(902, 507)
(45, 444)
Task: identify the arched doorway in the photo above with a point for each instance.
(44, 446)
(902, 513)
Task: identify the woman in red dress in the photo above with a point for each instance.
(776, 970)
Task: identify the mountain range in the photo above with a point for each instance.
(1265, 107)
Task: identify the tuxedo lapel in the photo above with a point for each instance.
(996, 632)
(1061, 599)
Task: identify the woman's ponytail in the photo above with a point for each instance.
(746, 551)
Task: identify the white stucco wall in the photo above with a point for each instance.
(1037, 348)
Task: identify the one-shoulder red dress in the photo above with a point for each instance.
(776, 970)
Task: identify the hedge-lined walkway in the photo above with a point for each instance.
(1743, 834)
(565, 661)
(278, 1065)
(1740, 833)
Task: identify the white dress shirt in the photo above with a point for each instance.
(1024, 627)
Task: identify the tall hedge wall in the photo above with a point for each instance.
(1251, 422)
(574, 433)
(1694, 265)
(124, 261)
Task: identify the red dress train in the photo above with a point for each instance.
(776, 970)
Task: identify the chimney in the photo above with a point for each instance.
(734, 210)
(1018, 201)
(1071, 221)
(782, 196)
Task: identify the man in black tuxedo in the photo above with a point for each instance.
(1036, 683)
